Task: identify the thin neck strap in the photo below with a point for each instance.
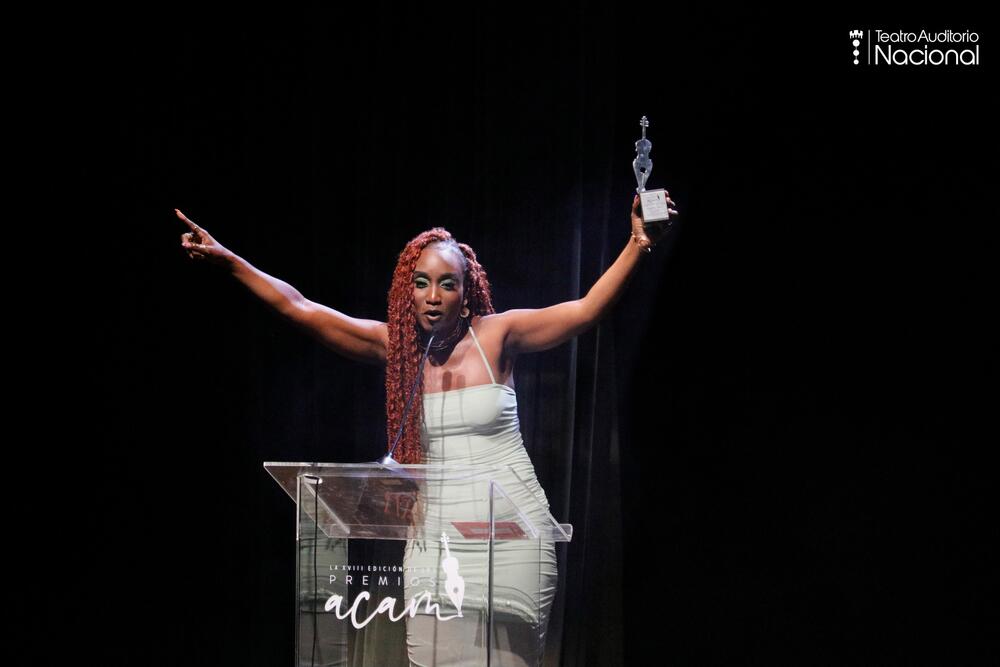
(482, 354)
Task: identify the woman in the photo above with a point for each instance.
(468, 414)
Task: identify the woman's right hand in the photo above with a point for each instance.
(200, 245)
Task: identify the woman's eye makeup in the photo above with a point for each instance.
(423, 282)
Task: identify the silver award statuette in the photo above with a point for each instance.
(652, 203)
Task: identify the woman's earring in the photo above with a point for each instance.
(464, 312)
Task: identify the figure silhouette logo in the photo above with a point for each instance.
(453, 583)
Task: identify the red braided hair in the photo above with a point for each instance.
(403, 355)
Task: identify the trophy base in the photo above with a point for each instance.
(653, 205)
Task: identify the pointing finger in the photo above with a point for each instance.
(183, 217)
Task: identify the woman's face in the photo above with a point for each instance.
(438, 290)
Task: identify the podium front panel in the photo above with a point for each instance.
(420, 564)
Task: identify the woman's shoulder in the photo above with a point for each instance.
(491, 331)
(492, 327)
(491, 321)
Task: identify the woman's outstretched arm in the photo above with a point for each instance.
(361, 340)
(534, 330)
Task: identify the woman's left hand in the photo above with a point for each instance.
(650, 234)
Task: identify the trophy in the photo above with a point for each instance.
(652, 203)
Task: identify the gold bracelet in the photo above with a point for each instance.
(647, 248)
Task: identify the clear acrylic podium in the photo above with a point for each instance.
(465, 561)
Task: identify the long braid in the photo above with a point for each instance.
(404, 352)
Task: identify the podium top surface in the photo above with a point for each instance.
(411, 501)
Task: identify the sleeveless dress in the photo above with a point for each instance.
(473, 426)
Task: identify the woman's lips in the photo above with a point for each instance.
(434, 317)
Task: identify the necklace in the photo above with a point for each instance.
(444, 342)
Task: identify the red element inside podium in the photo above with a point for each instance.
(480, 530)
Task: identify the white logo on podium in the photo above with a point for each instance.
(454, 587)
(454, 584)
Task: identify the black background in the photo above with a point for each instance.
(806, 366)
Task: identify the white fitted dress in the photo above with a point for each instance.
(479, 425)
